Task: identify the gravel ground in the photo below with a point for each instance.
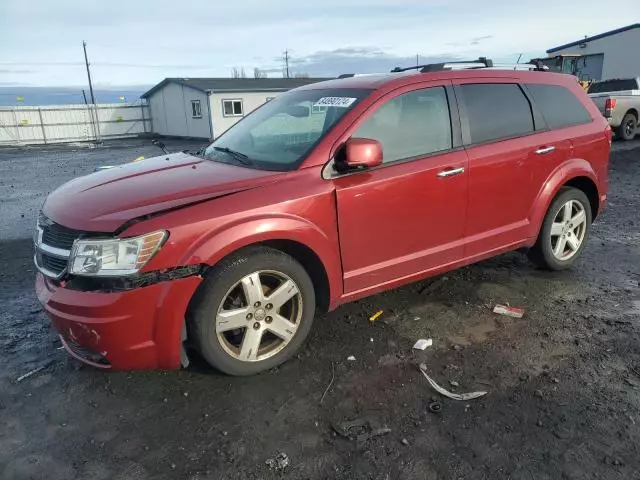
(563, 382)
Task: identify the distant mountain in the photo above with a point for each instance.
(10, 96)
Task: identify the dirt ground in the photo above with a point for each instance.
(563, 382)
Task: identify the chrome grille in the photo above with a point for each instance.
(53, 244)
(53, 264)
(58, 236)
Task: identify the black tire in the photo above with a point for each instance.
(542, 253)
(627, 129)
(219, 280)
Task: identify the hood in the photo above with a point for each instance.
(103, 201)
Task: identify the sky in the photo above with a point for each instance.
(140, 42)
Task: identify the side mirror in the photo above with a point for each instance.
(363, 152)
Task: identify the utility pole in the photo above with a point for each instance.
(417, 60)
(84, 95)
(286, 63)
(93, 100)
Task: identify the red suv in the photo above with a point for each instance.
(324, 195)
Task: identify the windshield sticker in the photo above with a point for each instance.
(341, 102)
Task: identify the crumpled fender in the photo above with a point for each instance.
(571, 169)
(214, 245)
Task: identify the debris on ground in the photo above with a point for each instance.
(279, 462)
(404, 442)
(435, 407)
(351, 358)
(447, 393)
(509, 311)
(375, 316)
(454, 384)
(33, 372)
(360, 430)
(423, 343)
(333, 377)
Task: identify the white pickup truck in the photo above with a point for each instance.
(619, 102)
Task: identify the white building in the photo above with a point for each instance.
(614, 54)
(206, 107)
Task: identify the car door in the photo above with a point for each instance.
(499, 133)
(405, 217)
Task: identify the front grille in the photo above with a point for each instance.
(53, 264)
(58, 236)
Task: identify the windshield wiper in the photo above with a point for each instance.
(241, 157)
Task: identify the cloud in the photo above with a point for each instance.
(357, 60)
(15, 70)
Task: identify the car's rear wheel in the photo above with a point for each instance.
(627, 129)
(564, 231)
(253, 311)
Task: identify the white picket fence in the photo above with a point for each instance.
(26, 125)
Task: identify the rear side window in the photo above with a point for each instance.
(559, 107)
(410, 125)
(616, 85)
(496, 111)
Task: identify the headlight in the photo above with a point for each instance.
(115, 256)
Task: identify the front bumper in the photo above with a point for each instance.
(138, 329)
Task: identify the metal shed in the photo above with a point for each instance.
(613, 54)
(207, 107)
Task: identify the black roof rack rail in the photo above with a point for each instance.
(434, 67)
(482, 62)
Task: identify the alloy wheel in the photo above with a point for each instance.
(629, 128)
(568, 230)
(259, 316)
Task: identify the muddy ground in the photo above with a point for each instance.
(563, 382)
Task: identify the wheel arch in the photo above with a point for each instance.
(633, 111)
(316, 252)
(576, 173)
(590, 189)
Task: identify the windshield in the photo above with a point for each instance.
(280, 134)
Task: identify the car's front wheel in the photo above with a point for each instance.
(253, 311)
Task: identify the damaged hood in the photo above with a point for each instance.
(103, 201)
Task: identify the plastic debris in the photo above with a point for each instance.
(447, 393)
(435, 407)
(454, 384)
(375, 316)
(423, 343)
(351, 358)
(141, 157)
(33, 372)
(279, 462)
(508, 311)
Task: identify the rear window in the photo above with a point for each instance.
(559, 107)
(616, 85)
(496, 111)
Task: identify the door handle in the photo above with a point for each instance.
(451, 172)
(543, 150)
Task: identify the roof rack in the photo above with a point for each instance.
(481, 62)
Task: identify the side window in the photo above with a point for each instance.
(559, 107)
(232, 108)
(496, 111)
(412, 124)
(195, 109)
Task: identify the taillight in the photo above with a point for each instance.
(609, 106)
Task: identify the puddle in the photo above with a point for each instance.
(635, 308)
(476, 333)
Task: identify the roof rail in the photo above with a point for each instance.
(434, 67)
(482, 62)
